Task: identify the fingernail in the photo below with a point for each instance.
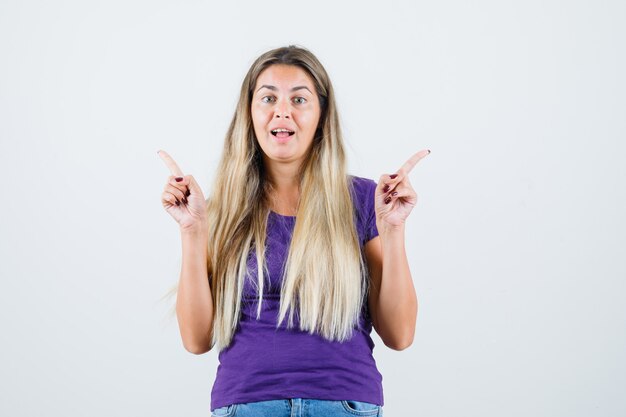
(187, 193)
(385, 188)
(393, 176)
(395, 193)
(429, 151)
(178, 179)
(387, 200)
(185, 200)
(177, 203)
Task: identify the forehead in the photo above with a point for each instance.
(284, 76)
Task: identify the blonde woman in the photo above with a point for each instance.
(291, 261)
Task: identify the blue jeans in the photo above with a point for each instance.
(299, 407)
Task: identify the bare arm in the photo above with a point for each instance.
(392, 299)
(183, 199)
(194, 304)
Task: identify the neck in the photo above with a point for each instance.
(286, 187)
(284, 177)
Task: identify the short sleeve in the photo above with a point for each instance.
(364, 192)
(371, 231)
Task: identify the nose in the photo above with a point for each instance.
(282, 110)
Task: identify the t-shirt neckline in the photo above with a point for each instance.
(282, 215)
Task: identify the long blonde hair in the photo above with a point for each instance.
(324, 271)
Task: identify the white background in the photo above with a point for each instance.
(516, 245)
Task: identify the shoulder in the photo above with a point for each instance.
(363, 189)
(363, 194)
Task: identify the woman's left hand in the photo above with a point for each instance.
(395, 197)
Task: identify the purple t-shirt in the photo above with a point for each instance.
(266, 363)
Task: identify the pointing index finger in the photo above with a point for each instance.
(408, 165)
(169, 161)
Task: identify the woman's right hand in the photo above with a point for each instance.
(183, 199)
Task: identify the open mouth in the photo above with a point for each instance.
(282, 133)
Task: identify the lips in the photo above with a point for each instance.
(282, 132)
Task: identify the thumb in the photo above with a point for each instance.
(193, 186)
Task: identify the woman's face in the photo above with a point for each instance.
(284, 98)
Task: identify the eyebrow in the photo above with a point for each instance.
(273, 88)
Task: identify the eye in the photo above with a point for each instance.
(268, 99)
(300, 100)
